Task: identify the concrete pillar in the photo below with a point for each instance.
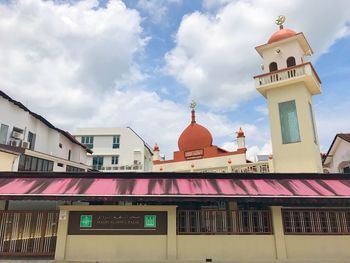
(62, 232)
(3, 205)
(172, 239)
(232, 205)
(277, 226)
(271, 164)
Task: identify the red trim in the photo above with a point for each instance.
(300, 33)
(205, 156)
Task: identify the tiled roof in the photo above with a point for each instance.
(82, 185)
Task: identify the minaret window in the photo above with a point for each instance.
(273, 66)
(291, 62)
(289, 122)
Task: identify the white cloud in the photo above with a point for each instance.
(63, 58)
(74, 63)
(214, 55)
(156, 9)
(262, 109)
(255, 150)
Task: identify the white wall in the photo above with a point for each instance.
(131, 147)
(287, 49)
(47, 140)
(341, 153)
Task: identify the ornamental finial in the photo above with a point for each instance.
(280, 21)
(193, 105)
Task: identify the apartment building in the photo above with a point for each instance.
(116, 149)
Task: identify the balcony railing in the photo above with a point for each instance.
(258, 167)
(209, 222)
(134, 167)
(294, 72)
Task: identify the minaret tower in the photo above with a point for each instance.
(288, 83)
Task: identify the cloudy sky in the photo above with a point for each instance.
(139, 63)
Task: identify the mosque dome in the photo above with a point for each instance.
(195, 136)
(281, 34)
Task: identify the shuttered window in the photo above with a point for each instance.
(289, 122)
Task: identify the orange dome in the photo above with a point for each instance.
(281, 34)
(194, 137)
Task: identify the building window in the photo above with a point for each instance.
(97, 162)
(31, 140)
(273, 66)
(74, 169)
(291, 62)
(115, 159)
(346, 170)
(289, 122)
(116, 142)
(88, 141)
(31, 163)
(313, 122)
(4, 129)
(69, 155)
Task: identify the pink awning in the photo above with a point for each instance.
(176, 187)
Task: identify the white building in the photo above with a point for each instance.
(337, 159)
(116, 149)
(28, 142)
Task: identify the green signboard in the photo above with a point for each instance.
(150, 221)
(86, 221)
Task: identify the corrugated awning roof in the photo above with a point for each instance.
(173, 185)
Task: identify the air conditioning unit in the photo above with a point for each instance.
(25, 144)
(16, 135)
(14, 143)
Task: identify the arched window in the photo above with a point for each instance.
(273, 66)
(291, 62)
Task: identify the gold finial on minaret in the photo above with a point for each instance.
(280, 21)
(193, 105)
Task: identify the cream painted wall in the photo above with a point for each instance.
(226, 247)
(115, 247)
(276, 247)
(318, 247)
(7, 161)
(109, 248)
(298, 157)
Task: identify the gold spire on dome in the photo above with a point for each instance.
(193, 105)
(280, 21)
(193, 114)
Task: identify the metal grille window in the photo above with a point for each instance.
(316, 221)
(224, 222)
